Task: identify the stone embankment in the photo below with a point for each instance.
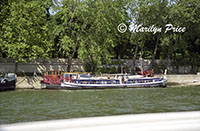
(182, 80)
(173, 80)
(28, 82)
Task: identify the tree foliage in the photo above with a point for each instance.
(24, 30)
(180, 47)
(87, 29)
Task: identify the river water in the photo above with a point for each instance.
(37, 105)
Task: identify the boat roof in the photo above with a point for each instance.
(76, 72)
(69, 72)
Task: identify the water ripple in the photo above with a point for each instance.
(37, 105)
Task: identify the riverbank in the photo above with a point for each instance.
(28, 82)
(173, 81)
(182, 80)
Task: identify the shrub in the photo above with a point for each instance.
(87, 67)
(137, 69)
(126, 69)
(159, 68)
(119, 69)
(113, 70)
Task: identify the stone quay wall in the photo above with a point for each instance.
(42, 65)
(39, 65)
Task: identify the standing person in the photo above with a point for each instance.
(122, 79)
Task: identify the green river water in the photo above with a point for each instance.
(37, 105)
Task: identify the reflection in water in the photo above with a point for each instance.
(37, 105)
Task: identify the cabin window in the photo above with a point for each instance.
(49, 73)
(155, 80)
(134, 81)
(109, 82)
(102, 82)
(150, 80)
(113, 82)
(84, 82)
(98, 82)
(66, 75)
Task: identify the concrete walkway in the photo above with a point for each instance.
(182, 80)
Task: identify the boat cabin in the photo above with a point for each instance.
(53, 77)
(70, 76)
(146, 73)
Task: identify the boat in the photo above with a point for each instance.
(52, 79)
(146, 73)
(8, 81)
(76, 81)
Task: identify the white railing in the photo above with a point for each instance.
(177, 121)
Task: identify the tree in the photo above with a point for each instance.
(185, 45)
(3, 15)
(24, 30)
(101, 34)
(70, 25)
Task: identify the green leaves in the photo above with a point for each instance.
(182, 13)
(24, 28)
(87, 29)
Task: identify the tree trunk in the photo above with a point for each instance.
(69, 64)
(16, 67)
(135, 55)
(92, 67)
(154, 53)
